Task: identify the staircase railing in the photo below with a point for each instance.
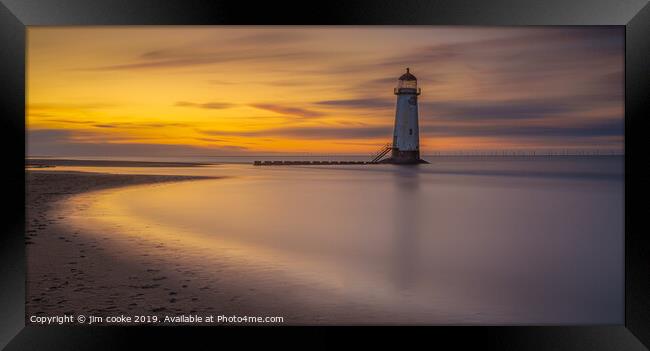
(381, 153)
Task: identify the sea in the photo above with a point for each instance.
(486, 239)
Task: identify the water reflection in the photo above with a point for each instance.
(406, 206)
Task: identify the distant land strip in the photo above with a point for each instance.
(32, 162)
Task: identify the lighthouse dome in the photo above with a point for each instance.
(407, 76)
(407, 83)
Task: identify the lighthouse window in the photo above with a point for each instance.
(407, 84)
(410, 131)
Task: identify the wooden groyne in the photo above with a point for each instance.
(310, 163)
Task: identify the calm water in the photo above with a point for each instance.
(498, 240)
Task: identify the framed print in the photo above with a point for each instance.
(453, 171)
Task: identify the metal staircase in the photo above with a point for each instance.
(385, 149)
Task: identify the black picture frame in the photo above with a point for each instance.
(15, 15)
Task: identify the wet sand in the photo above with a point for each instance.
(68, 272)
(120, 271)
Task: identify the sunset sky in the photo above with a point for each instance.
(173, 91)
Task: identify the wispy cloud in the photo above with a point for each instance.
(289, 110)
(270, 38)
(497, 110)
(95, 123)
(68, 106)
(71, 121)
(609, 127)
(364, 103)
(206, 105)
(56, 142)
(324, 133)
(184, 59)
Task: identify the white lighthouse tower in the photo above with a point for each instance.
(406, 135)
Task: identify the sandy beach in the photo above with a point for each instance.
(118, 271)
(70, 273)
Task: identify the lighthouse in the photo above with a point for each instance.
(406, 134)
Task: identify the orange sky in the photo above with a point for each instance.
(256, 90)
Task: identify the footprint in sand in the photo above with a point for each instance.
(149, 286)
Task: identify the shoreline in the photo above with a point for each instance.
(116, 270)
(53, 162)
(63, 266)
